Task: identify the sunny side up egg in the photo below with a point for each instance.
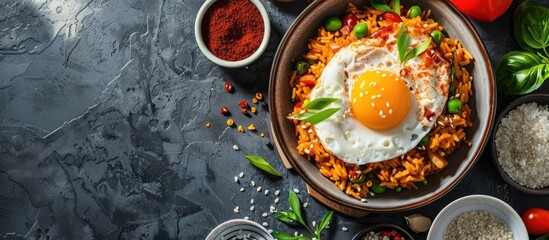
(386, 107)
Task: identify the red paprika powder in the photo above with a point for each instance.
(232, 29)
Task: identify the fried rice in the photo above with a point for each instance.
(405, 171)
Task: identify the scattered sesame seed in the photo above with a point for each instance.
(241, 175)
(384, 75)
(380, 112)
(242, 189)
(314, 223)
(306, 204)
(361, 95)
(378, 72)
(277, 192)
(303, 126)
(373, 97)
(296, 190)
(236, 209)
(354, 100)
(265, 224)
(363, 199)
(387, 104)
(390, 111)
(252, 201)
(394, 171)
(236, 148)
(235, 179)
(252, 183)
(252, 208)
(259, 189)
(266, 192)
(310, 131)
(344, 229)
(382, 89)
(372, 193)
(307, 151)
(270, 231)
(383, 116)
(327, 226)
(373, 105)
(366, 92)
(379, 96)
(272, 209)
(246, 218)
(295, 234)
(277, 200)
(265, 214)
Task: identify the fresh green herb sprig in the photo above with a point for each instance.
(262, 164)
(382, 6)
(317, 111)
(295, 215)
(403, 40)
(521, 72)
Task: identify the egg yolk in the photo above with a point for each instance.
(380, 99)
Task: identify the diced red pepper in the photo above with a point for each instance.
(392, 17)
(229, 87)
(349, 21)
(243, 104)
(299, 104)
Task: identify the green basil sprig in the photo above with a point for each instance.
(403, 40)
(262, 164)
(382, 6)
(316, 111)
(521, 72)
(295, 215)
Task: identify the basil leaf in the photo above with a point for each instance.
(380, 5)
(416, 51)
(287, 217)
(396, 6)
(300, 116)
(325, 221)
(320, 103)
(403, 39)
(260, 163)
(521, 9)
(520, 72)
(295, 205)
(284, 236)
(535, 27)
(321, 116)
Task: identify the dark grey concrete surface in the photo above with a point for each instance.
(103, 106)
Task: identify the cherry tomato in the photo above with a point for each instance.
(536, 221)
(484, 11)
(392, 17)
(349, 21)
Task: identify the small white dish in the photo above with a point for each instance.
(489, 204)
(235, 228)
(232, 64)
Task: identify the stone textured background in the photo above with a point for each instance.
(103, 106)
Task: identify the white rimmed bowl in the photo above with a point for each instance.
(235, 228)
(232, 64)
(489, 204)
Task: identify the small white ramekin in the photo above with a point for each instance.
(233, 229)
(232, 64)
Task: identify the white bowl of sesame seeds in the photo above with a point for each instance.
(477, 217)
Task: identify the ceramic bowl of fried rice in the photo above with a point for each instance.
(456, 139)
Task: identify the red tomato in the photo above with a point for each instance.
(482, 10)
(349, 21)
(536, 221)
(392, 17)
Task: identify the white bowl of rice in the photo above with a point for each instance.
(520, 145)
(477, 217)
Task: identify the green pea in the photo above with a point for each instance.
(437, 36)
(424, 182)
(333, 24)
(301, 67)
(360, 30)
(398, 189)
(414, 11)
(371, 175)
(452, 88)
(454, 106)
(360, 179)
(424, 141)
(378, 189)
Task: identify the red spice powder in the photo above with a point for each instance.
(232, 29)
